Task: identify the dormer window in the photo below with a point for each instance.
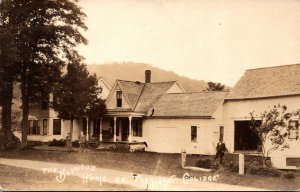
(119, 98)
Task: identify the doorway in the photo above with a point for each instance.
(244, 137)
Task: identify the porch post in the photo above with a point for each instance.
(100, 128)
(130, 132)
(115, 129)
(87, 128)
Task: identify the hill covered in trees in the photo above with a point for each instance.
(136, 72)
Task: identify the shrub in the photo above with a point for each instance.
(59, 143)
(265, 171)
(232, 166)
(290, 175)
(205, 163)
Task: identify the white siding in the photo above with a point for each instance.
(239, 110)
(173, 135)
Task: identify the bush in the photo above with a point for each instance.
(232, 166)
(290, 175)
(265, 171)
(205, 163)
(58, 143)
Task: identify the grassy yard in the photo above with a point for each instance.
(20, 179)
(154, 164)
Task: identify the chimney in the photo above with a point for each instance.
(148, 76)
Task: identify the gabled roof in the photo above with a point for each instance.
(151, 93)
(131, 90)
(268, 82)
(141, 96)
(202, 104)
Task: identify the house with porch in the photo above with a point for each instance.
(163, 116)
(45, 125)
(257, 90)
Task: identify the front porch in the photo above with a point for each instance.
(114, 129)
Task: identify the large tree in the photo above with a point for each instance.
(78, 94)
(48, 31)
(8, 57)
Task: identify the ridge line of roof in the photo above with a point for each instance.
(145, 83)
(277, 66)
(201, 92)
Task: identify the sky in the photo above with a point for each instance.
(211, 40)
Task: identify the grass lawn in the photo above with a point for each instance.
(154, 164)
(15, 178)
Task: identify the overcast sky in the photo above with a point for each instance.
(212, 40)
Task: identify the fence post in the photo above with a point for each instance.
(183, 158)
(241, 164)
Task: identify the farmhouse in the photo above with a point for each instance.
(168, 119)
(257, 90)
(164, 116)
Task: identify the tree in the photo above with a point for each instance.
(211, 86)
(272, 126)
(47, 32)
(77, 94)
(8, 57)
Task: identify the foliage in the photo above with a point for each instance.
(212, 86)
(290, 175)
(265, 171)
(59, 143)
(232, 166)
(45, 34)
(77, 94)
(272, 125)
(205, 163)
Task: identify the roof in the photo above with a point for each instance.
(202, 104)
(268, 82)
(151, 93)
(132, 91)
(141, 96)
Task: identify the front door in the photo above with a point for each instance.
(124, 129)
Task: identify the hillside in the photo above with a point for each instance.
(136, 72)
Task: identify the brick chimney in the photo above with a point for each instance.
(148, 76)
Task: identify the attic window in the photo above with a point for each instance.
(119, 98)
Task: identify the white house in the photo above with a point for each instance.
(257, 90)
(164, 116)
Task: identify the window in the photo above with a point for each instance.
(33, 128)
(194, 133)
(293, 130)
(137, 128)
(119, 98)
(45, 126)
(56, 126)
(221, 133)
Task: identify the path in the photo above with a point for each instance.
(141, 181)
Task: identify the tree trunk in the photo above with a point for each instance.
(25, 110)
(71, 130)
(6, 110)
